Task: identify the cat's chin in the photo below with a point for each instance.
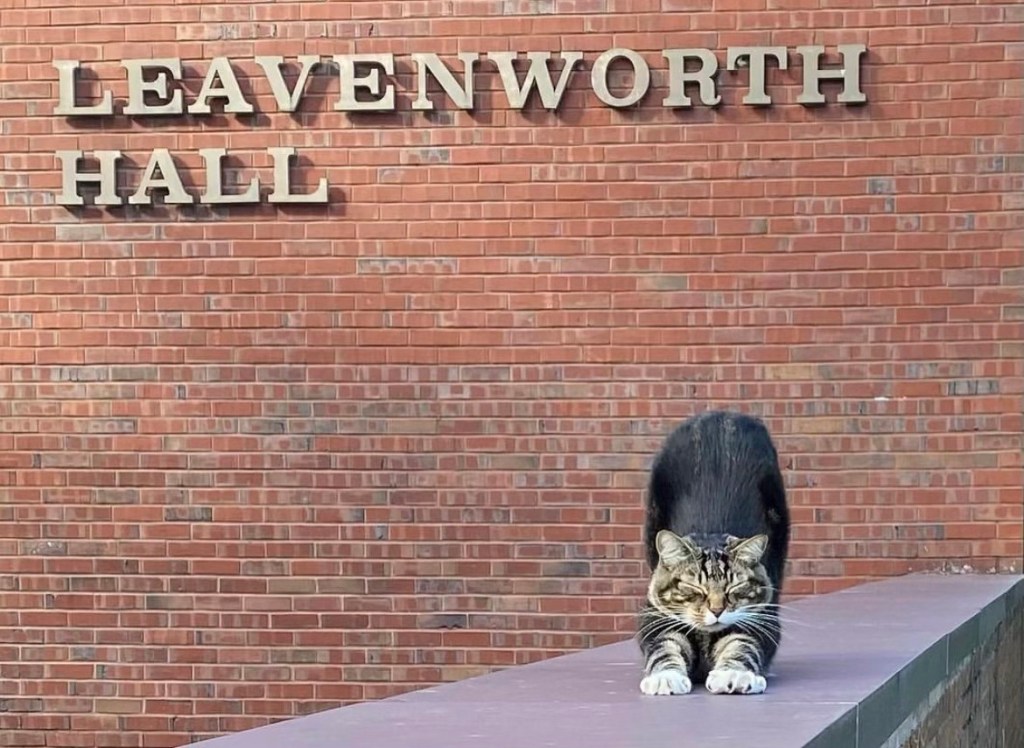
(714, 628)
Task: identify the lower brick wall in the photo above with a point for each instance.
(982, 704)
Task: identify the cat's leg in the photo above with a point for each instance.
(737, 666)
(667, 670)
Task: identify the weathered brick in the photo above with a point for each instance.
(83, 653)
(442, 621)
(118, 706)
(168, 602)
(188, 514)
(527, 7)
(45, 548)
(80, 232)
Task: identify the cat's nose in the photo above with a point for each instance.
(716, 610)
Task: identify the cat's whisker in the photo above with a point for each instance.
(752, 626)
(770, 608)
(787, 619)
(799, 623)
(656, 625)
(665, 621)
(762, 634)
(649, 621)
(767, 620)
(787, 622)
(769, 605)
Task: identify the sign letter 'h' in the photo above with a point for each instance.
(71, 177)
(848, 73)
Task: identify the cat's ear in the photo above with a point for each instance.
(674, 550)
(748, 551)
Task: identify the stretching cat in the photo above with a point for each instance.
(716, 535)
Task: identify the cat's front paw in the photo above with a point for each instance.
(666, 683)
(729, 680)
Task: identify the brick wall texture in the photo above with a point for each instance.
(261, 461)
(981, 704)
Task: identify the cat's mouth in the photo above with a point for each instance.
(720, 623)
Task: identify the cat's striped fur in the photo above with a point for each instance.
(717, 533)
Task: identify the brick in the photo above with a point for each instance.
(188, 514)
(45, 548)
(118, 706)
(443, 621)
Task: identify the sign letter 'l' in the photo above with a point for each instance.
(68, 105)
(283, 182)
(215, 195)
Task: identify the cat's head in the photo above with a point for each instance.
(711, 585)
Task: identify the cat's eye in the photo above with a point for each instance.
(687, 592)
(689, 589)
(744, 592)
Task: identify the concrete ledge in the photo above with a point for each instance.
(861, 668)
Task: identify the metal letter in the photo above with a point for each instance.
(641, 77)
(106, 177)
(757, 56)
(282, 180)
(220, 70)
(599, 78)
(347, 101)
(137, 87)
(215, 195)
(68, 105)
(678, 77)
(169, 180)
(461, 96)
(849, 73)
(538, 74)
(287, 101)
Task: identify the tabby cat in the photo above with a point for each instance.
(716, 536)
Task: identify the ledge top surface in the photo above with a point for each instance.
(837, 650)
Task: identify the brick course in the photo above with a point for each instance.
(979, 705)
(262, 461)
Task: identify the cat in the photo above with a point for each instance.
(716, 535)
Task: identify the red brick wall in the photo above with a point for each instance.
(264, 461)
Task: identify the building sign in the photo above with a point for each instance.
(364, 88)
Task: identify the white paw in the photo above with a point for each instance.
(665, 683)
(735, 681)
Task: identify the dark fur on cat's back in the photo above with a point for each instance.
(716, 537)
